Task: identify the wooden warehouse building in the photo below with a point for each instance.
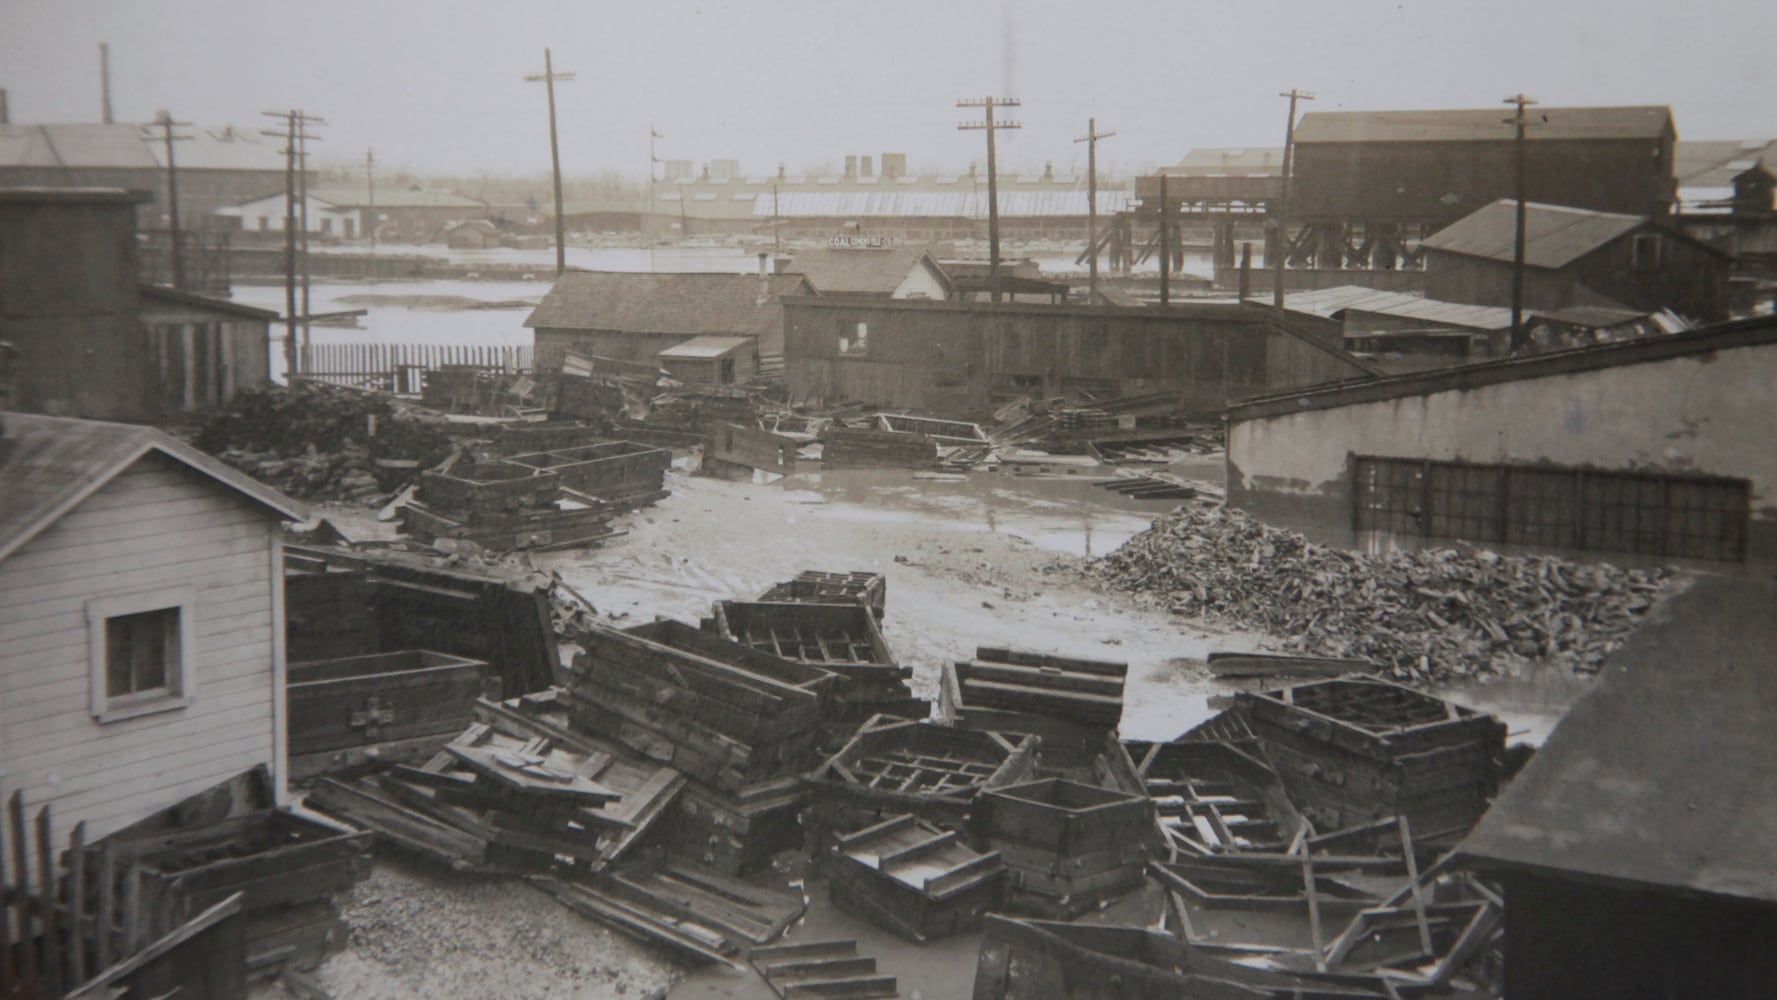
(1634, 848)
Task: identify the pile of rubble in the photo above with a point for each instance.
(318, 441)
(1432, 614)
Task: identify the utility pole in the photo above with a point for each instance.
(294, 122)
(777, 225)
(165, 120)
(987, 104)
(302, 186)
(1519, 122)
(653, 137)
(105, 83)
(1283, 199)
(370, 186)
(1165, 244)
(548, 77)
(1091, 140)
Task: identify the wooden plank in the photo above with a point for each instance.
(52, 932)
(191, 929)
(77, 902)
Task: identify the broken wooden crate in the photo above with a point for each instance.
(531, 436)
(716, 710)
(740, 830)
(230, 839)
(544, 528)
(821, 969)
(878, 449)
(697, 912)
(843, 639)
(519, 790)
(487, 488)
(1212, 797)
(384, 707)
(818, 587)
(1069, 846)
(934, 772)
(1359, 750)
(910, 877)
(1066, 700)
(621, 473)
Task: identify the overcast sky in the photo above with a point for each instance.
(438, 85)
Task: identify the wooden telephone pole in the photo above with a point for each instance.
(164, 119)
(1519, 122)
(548, 78)
(1283, 199)
(370, 189)
(987, 104)
(1091, 140)
(293, 133)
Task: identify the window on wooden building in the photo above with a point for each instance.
(1645, 253)
(854, 338)
(140, 648)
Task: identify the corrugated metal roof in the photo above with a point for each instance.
(1482, 124)
(1661, 774)
(51, 464)
(705, 348)
(217, 147)
(960, 204)
(1554, 235)
(1332, 301)
(642, 302)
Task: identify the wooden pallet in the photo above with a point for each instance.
(819, 969)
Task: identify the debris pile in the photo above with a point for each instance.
(317, 441)
(1427, 615)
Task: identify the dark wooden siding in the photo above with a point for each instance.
(1688, 278)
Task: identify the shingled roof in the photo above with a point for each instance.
(1554, 235)
(1661, 775)
(1483, 124)
(862, 272)
(689, 304)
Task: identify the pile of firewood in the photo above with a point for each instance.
(1433, 614)
(323, 442)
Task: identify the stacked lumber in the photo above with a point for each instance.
(910, 877)
(1429, 615)
(934, 772)
(1359, 750)
(843, 639)
(1066, 700)
(877, 449)
(1069, 846)
(323, 442)
(817, 587)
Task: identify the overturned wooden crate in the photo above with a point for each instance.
(936, 773)
(1213, 797)
(908, 876)
(622, 473)
(879, 449)
(228, 840)
(1069, 701)
(818, 587)
(740, 830)
(1069, 846)
(844, 639)
(1358, 750)
(380, 708)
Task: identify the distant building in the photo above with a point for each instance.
(1644, 447)
(1706, 170)
(141, 646)
(634, 316)
(712, 360)
(476, 234)
(1633, 848)
(1575, 257)
(869, 272)
(92, 342)
(404, 214)
(268, 214)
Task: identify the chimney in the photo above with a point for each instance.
(780, 172)
(706, 171)
(851, 167)
(971, 168)
(894, 166)
(5, 117)
(1049, 170)
(764, 278)
(866, 167)
(105, 83)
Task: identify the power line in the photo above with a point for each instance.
(1091, 139)
(548, 78)
(987, 104)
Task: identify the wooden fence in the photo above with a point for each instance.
(73, 924)
(398, 367)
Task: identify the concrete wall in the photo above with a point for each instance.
(1700, 414)
(157, 527)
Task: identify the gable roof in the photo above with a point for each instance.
(1660, 775)
(862, 271)
(646, 303)
(51, 464)
(1331, 302)
(1483, 124)
(1554, 235)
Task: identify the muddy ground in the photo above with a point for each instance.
(986, 560)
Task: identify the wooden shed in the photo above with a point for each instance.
(202, 350)
(141, 620)
(712, 360)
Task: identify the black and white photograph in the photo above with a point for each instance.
(799, 499)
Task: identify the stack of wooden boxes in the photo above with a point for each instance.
(1069, 846)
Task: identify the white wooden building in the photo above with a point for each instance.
(141, 620)
(267, 214)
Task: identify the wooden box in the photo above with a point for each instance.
(1065, 700)
(818, 587)
(914, 879)
(610, 470)
(1070, 846)
(842, 638)
(934, 772)
(384, 706)
(488, 487)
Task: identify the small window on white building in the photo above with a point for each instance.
(140, 653)
(264, 223)
(855, 341)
